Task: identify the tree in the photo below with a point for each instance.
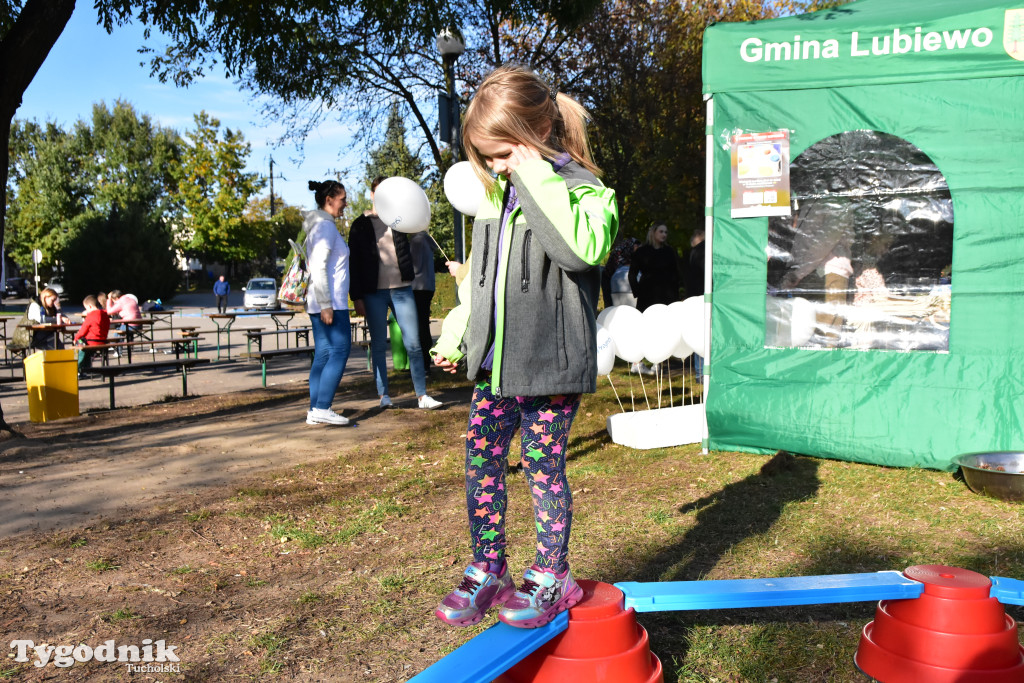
(129, 249)
(285, 224)
(214, 191)
(349, 61)
(62, 180)
(649, 137)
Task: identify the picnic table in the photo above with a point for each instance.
(162, 317)
(60, 328)
(135, 327)
(224, 321)
(301, 335)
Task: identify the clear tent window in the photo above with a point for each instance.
(865, 259)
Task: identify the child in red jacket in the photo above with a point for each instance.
(92, 332)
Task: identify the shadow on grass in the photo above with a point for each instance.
(746, 508)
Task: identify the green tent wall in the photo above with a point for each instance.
(957, 96)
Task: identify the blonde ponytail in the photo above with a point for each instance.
(513, 104)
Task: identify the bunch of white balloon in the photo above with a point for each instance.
(657, 334)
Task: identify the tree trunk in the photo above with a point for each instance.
(22, 51)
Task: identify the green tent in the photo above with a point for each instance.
(905, 125)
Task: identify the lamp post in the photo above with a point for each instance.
(451, 48)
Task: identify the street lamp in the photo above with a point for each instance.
(451, 48)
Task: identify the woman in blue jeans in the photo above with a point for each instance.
(327, 300)
(382, 274)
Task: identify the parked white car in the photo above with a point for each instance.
(57, 285)
(260, 292)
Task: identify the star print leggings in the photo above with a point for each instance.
(545, 423)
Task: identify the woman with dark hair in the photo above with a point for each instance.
(327, 258)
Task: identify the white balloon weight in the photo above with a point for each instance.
(605, 351)
(402, 205)
(625, 324)
(463, 188)
(659, 335)
(691, 314)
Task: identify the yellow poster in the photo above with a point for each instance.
(760, 174)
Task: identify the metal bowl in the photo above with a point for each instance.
(999, 474)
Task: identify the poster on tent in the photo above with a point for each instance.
(760, 174)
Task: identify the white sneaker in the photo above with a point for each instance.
(325, 416)
(428, 403)
(385, 401)
(639, 368)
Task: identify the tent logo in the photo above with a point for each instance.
(1013, 33)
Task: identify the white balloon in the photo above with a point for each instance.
(789, 322)
(625, 325)
(463, 188)
(659, 334)
(676, 314)
(682, 350)
(691, 314)
(804, 321)
(605, 351)
(602, 317)
(402, 205)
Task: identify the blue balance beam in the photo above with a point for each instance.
(491, 653)
(668, 596)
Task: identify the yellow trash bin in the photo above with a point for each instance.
(52, 379)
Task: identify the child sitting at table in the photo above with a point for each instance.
(92, 332)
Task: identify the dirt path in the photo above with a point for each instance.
(73, 472)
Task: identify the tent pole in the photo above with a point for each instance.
(709, 238)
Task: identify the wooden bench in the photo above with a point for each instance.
(301, 333)
(183, 365)
(264, 356)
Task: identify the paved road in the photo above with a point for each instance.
(217, 377)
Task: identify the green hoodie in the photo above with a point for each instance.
(541, 318)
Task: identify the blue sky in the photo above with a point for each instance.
(87, 66)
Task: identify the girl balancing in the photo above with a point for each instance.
(526, 329)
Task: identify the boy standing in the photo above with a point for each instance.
(92, 332)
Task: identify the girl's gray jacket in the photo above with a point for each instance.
(534, 295)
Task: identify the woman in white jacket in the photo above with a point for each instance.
(327, 300)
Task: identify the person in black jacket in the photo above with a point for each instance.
(381, 279)
(654, 273)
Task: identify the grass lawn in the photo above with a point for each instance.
(331, 571)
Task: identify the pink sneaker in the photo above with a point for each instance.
(541, 597)
(479, 591)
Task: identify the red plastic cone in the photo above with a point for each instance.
(953, 633)
(603, 644)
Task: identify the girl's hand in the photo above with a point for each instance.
(520, 154)
(445, 364)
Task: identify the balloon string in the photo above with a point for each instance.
(642, 384)
(621, 409)
(632, 399)
(668, 363)
(438, 247)
(659, 376)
